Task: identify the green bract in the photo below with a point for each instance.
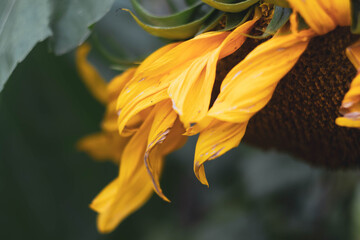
(225, 6)
(355, 16)
(182, 31)
(280, 17)
(197, 18)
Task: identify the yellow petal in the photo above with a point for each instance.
(152, 58)
(92, 79)
(133, 187)
(140, 95)
(353, 53)
(127, 199)
(249, 85)
(106, 197)
(138, 85)
(191, 90)
(184, 52)
(339, 10)
(315, 14)
(347, 122)
(218, 138)
(134, 108)
(103, 146)
(163, 123)
(109, 123)
(350, 107)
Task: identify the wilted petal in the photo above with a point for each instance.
(164, 137)
(191, 90)
(218, 138)
(248, 87)
(139, 96)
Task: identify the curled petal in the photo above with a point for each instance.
(191, 90)
(92, 79)
(248, 87)
(143, 94)
(163, 122)
(218, 138)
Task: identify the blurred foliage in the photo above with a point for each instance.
(24, 23)
(46, 185)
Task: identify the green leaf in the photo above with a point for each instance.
(355, 16)
(174, 32)
(280, 17)
(71, 20)
(176, 19)
(23, 23)
(225, 6)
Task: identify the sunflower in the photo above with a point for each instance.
(283, 89)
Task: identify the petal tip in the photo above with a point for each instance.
(200, 173)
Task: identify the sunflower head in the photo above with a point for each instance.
(275, 73)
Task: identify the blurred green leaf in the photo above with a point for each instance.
(175, 19)
(225, 6)
(24, 23)
(71, 19)
(174, 32)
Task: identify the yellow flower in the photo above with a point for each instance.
(249, 86)
(172, 94)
